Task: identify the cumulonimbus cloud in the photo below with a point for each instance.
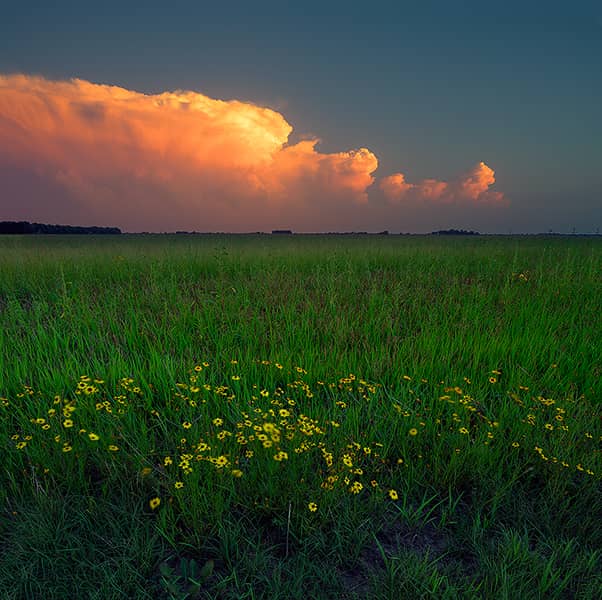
(75, 151)
(173, 159)
(472, 186)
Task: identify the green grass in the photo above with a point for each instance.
(468, 368)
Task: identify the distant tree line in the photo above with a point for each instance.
(25, 227)
(455, 232)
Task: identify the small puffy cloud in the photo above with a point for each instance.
(172, 160)
(395, 186)
(472, 186)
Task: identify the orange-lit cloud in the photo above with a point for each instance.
(79, 152)
(177, 159)
(472, 186)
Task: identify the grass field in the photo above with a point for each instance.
(300, 417)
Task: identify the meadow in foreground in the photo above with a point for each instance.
(301, 417)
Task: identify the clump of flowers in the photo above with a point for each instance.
(316, 434)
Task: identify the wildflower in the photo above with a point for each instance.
(356, 487)
(154, 503)
(67, 448)
(221, 461)
(236, 473)
(413, 431)
(186, 424)
(515, 444)
(20, 445)
(198, 368)
(146, 471)
(313, 507)
(113, 448)
(463, 430)
(281, 456)
(347, 460)
(218, 422)
(93, 437)
(493, 380)
(178, 485)
(393, 495)
(67, 423)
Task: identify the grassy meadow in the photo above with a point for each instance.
(300, 417)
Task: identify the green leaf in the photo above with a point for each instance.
(207, 569)
(195, 571)
(194, 587)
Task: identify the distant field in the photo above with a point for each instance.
(321, 416)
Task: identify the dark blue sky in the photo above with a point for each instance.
(430, 88)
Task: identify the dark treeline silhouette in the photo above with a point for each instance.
(455, 232)
(25, 227)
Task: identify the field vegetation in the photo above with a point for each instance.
(300, 417)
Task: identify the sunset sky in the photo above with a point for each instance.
(321, 116)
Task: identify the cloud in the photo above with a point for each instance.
(79, 152)
(172, 160)
(472, 186)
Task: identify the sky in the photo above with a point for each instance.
(313, 116)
